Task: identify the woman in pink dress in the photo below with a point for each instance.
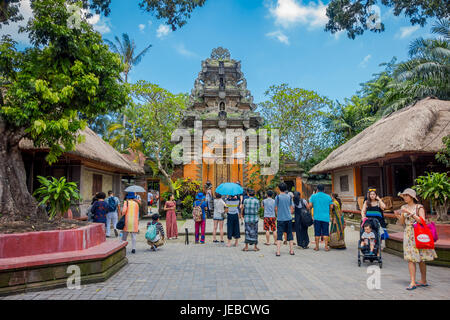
(171, 218)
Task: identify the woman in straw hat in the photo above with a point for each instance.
(409, 214)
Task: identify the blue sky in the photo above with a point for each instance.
(278, 41)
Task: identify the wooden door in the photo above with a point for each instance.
(223, 173)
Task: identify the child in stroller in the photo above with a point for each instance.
(371, 249)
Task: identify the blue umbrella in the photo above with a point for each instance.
(229, 189)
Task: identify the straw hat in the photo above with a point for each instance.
(410, 192)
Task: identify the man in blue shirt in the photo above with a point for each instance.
(322, 204)
(284, 206)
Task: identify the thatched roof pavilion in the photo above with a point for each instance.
(416, 129)
(94, 165)
(390, 154)
(94, 149)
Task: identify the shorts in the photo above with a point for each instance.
(284, 226)
(321, 228)
(270, 224)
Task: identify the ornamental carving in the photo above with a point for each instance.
(220, 54)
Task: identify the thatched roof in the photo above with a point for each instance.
(95, 149)
(417, 128)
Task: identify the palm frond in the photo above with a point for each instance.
(139, 57)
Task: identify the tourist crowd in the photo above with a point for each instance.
(286, 215)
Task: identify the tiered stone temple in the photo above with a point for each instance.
(220, 100)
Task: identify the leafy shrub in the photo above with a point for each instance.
(435, 186)
(58, 194)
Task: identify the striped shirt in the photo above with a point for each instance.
(251, 206)
(233, 205)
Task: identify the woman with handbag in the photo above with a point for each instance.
(337, 226)
(409, 214)
(301, 229)
(131, 212)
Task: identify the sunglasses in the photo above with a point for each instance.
(372, 190)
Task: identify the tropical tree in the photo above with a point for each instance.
(443, 156)
(349, 119)
(176, 12)
(355, 17)
(425, 74)
(127, 51)
(158, 113)
(298, 115)
(44, 89)
(125, 137)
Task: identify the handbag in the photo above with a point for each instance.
(121, 224)
(423, 236)
(224, 214)
(305, 215)
(433, 230)
(336, 241)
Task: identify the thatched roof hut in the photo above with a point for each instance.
(416, 129)
(94, 149)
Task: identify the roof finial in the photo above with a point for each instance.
(220, 54)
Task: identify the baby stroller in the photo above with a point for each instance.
(364, 252)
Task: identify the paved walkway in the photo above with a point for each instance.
(213, 271)
(190, 225)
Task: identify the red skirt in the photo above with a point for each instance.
(171, 225)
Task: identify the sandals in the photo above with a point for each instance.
(256, 249)
(422, 285)
(292, 253)
(267, 244)
(277, 254)
(245, 250)
(409, 288)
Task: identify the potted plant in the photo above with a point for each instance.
(435, 186)
(57, 195)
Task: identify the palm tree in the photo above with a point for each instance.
(426, 73)
(126, 49)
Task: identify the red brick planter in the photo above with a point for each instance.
(39, 260)
(33, 243)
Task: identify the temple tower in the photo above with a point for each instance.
(220, 100)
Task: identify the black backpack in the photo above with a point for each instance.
(305, 216)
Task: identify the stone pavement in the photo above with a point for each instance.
(190, 224)
(213, 271)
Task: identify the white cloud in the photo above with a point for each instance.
(141, 27)
(288, 13)
(407, 31)
(364, 62)
(280, 36)
(181, 49)
(163, 31)
(338, 34)
(13, 28)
